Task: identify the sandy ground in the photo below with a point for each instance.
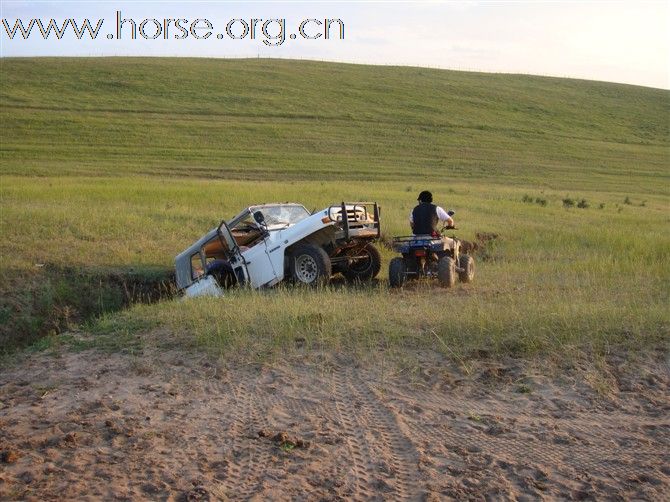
(91, 426)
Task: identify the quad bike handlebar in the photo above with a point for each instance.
(451, 214)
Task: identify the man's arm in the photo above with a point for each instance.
(443, 216)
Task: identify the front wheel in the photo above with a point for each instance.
(446, 271)
(467, 265)
(365, 268)
(397, 272)
(223, 273)
(310, 265)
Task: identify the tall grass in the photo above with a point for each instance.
(127, 222)
(107, 168)
(554, 279)
(463, 323)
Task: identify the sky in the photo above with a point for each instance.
(624, 41)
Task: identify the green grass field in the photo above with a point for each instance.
(111, 166)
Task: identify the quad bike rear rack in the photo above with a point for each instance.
(402, 244)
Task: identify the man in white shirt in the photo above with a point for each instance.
(425, 217)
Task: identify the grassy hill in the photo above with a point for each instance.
(306, 120)
(111, 166)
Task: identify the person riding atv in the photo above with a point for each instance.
(428, 254)
(426, 216)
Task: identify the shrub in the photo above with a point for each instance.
(537, 200)
(627, 200)
(568, 202)
(582, 204)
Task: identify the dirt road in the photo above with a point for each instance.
(182, 427)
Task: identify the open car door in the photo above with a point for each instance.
(233, 253)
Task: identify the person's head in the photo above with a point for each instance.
(425, 196)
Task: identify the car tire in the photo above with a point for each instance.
(397, 272)
(222, 273)
(446, 271)
(310, 265)
(365, 269)
(467, 265)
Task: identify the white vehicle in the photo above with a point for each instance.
(268, 243)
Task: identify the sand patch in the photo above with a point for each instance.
(182, 427)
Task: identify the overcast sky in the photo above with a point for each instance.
(626, 41)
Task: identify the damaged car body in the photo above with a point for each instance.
(268, 243)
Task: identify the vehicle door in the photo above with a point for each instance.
(264, 271)
(233, 253)
(254, 262)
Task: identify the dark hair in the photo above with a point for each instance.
(425, 196)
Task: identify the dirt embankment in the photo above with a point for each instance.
(176, 427)
(51, 299)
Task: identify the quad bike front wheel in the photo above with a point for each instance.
(397, 272)
(446, 271)
(310, 265)
(467, 265)
(365, 268)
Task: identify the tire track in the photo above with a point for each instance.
(396, 444)
(452, 427)
(360, 456)
(249, 456)
(391, 445)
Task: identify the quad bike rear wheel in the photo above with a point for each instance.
(366, 268)
(397, 272)
(467, 265)
(446, 271)
(310, 265)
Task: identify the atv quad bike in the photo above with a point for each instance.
(431, 257)
(269, 243)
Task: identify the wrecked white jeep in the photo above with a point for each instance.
(268, 243)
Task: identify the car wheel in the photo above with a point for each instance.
(366, 268)
(467, 265)
(397, 272)
(446, 271)
(222, 273)
(310, 265)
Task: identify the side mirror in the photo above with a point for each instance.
(260, 219)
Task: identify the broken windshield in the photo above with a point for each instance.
(285, 214)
